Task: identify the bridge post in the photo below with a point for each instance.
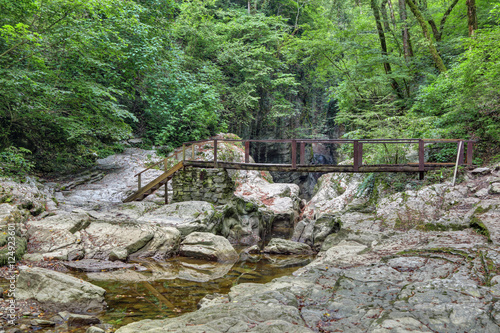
(356, 156)
(215, 153)
(192, 152)
(139, 181)
(184, 152)
(469, 152)
(302, 153)
(166, 192)
(460, 152)
(247, 151)
(294, 154)
(360, 152)
(421, 159)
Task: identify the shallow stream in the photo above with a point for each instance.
(175, 286)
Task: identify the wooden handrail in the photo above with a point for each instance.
(162, 161)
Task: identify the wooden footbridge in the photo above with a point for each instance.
(463, 157)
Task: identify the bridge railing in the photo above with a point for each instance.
(357, 149)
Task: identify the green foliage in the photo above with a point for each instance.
(466, 101)
(77, 77)
(14, 162)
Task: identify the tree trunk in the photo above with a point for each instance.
(385, 17)
(471, 16)
(425, 30)
(383, 46)
(404, 31)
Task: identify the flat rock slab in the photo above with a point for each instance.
(58, 291)
(93, 265)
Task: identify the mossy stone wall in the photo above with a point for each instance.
(195, 184)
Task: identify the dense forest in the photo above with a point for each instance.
(79, 76)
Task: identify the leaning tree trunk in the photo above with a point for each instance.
(425, 30)
(383, 46)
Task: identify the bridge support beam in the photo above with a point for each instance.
(421, 159)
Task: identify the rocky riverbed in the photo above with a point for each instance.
(424, 258)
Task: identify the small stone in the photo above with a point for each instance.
(94, 329)
(76, 320)
(64, 315)
(254, 249)
(494, 188)
(26, 314)
(481, 193)
(495, 279)
(135, 141)
(481, 171)
(42, 323)
(118, 254)
(495, 180)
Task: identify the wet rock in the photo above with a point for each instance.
(92, 265)
(236, 317)
(77, 320)
(56, 290)
(94, 329)
(42, 323)
(254, 249)
(283, 246)
(14, 330)
(208, 246)
(214, 299)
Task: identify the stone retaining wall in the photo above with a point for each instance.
(195, 184)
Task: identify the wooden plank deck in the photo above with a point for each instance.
(317, 167)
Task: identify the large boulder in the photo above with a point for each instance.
(208, 246)
(283, 246)
(187, 217)
(239, 317)
(57, 291)
(94, 236)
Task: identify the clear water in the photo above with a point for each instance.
(175, 286)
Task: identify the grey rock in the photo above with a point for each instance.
(481, 171)
(14, 330)
(232, 317)
(135, 141)
(118, 254)
(42, 323)
(56, 290)
(78, 320)
(94, 329)
(283, 246)
(92, 265)
(494, 188)
(209, 247)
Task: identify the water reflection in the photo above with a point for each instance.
(170, 288)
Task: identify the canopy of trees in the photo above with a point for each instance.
(79, 76)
